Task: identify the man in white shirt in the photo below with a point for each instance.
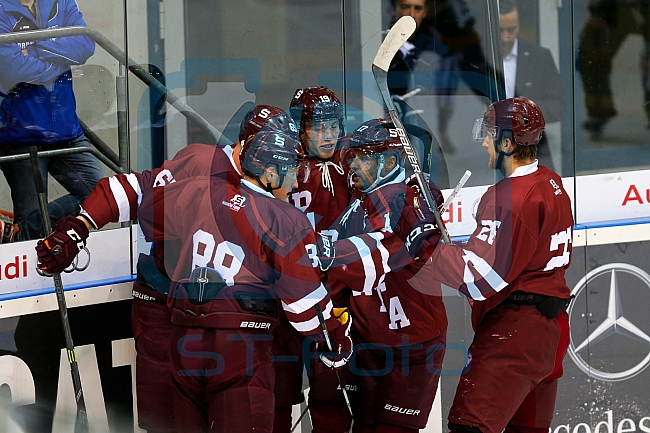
(530, 71)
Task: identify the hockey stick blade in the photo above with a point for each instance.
(398, 34)
(302, 415)
(456, 190)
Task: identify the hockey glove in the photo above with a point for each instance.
(419, 200)
(326, 251)
(340, 339)
(57, 251)
(416, 225)
(421, 238)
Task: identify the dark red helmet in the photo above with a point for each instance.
(267, 117)
(315, 104)
(520, 115)
(374, 137)
(277, 148)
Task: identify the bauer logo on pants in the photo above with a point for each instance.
(403, 410)
(256, 325)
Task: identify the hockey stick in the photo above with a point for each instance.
(405, 96)
(453, 194)
(398, 34)
(81, 425)
(326, 334)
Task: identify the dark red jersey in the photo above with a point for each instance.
(116, 198)
(386, 307)
(257, 243)
(325, 196)
(522, 241)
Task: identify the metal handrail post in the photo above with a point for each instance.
(496, 86)
(122, 120)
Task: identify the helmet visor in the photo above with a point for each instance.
(481, 131)
(291, 173)
(298, 172)
(362, 155)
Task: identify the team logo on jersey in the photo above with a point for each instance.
(165, 177)
(235, 203)
(589, 354)
(557, 189)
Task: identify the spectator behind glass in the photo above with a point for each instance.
(530, 72)
(38, 108)
(609, 24)
(447, 30)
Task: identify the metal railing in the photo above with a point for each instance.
(116, 162)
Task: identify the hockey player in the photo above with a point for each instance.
(323, 198)
(319, 113)
(117, 199)
(390, 315)
(248, 245)
(513, 268)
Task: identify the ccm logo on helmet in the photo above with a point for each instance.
(256, 325)
(280, 157)
(403, 410)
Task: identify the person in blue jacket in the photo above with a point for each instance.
(38, 108)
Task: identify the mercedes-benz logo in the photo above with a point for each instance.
(614, 323)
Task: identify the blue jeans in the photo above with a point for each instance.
(77, 173)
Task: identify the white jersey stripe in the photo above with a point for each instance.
(485, 270)
(121, 199)
(382, 250)
(368, 264)
(304, 304)
(384, 261)
(313, 323)
(474, 291)
(133, 181)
